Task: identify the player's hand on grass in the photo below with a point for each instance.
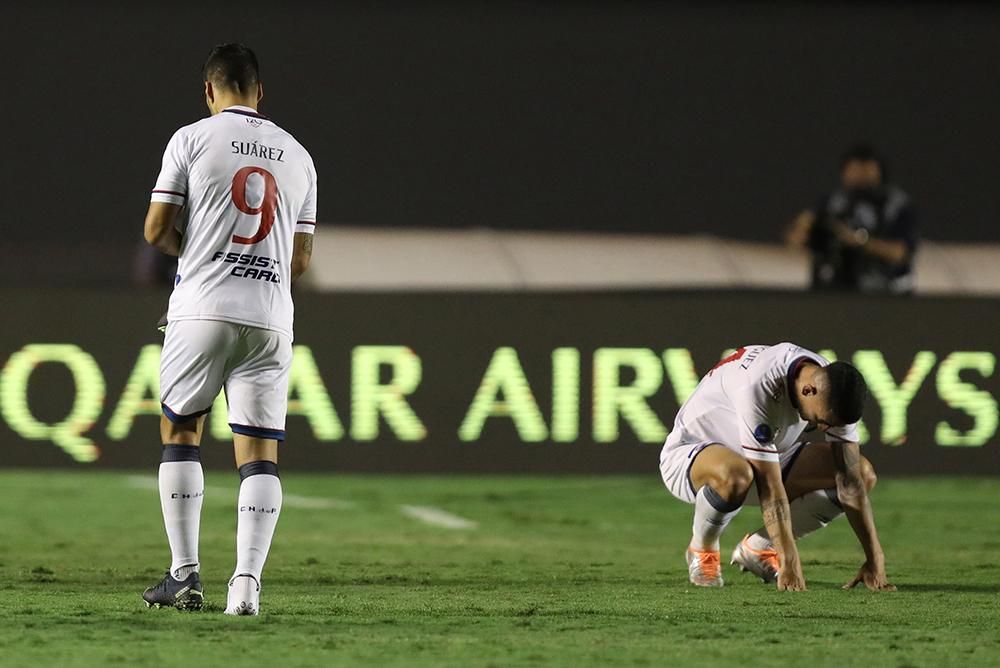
(790, 578)
(873, 577)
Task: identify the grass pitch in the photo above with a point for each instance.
(556, 571)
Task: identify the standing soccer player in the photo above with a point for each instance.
(250, 193)
(742, 437)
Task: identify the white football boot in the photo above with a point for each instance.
(704, 567)
(244, 596)
(762, 563)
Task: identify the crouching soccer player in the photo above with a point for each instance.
(250, 191)
(743, 437)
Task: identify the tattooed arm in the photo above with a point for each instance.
(301, 253)
(853, 495)
(778, 522)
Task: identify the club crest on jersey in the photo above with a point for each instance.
(763, 434)
(254, 122)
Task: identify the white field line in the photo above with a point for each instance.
(437, 517)
(229, 494)
(426, 514)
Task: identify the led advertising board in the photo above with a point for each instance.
(561, 382)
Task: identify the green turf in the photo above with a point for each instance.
(560, 571)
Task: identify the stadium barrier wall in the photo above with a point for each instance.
(355, 258)
(492, 382)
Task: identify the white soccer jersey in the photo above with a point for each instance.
(248, 187)
(744, 404)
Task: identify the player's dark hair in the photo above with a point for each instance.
(233, 66)
(864, 152)
(848, 391)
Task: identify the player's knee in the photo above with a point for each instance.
(736, 480)
(868, 474)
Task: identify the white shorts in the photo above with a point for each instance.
(676, 461)
(200, 357)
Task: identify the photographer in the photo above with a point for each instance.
(862, 236)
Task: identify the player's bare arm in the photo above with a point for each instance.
(777, 516)
(301, 253)
(159, 228)
(853, 495)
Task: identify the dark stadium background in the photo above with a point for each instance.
(721, 118)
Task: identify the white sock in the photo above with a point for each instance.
(182, 489)
(257, 514)
(711, 515)
(810, 512)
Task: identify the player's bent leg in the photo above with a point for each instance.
(811, 485)
(722, 478)
(725, 471)
(258, 509)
